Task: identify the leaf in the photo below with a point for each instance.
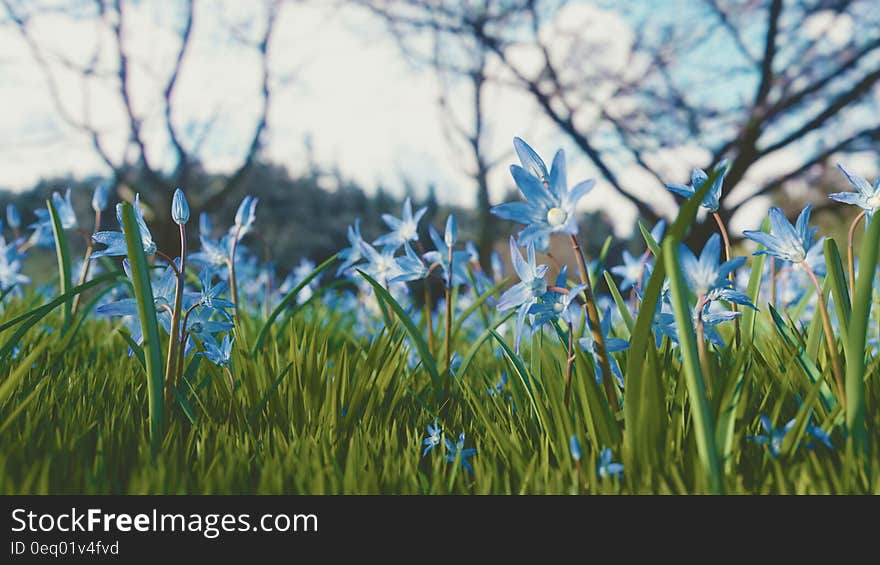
(839, 291)
(620, 302)
(523, 374)
(32, 317)
(702, 415)
(62, 252)
(418, 341)
(143, 293)
(856, 423)
(472, 351)
(288, 298)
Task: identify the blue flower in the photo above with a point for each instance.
(10, 266)
(457, 450)
(179, 208)
(574, 447)
(202, 324)
(633, 271)
(867, 197)
(403, 229)
(115, 240)
(204, 225)
(819, 435)
(64, 208)
(450, 235)
(380, 266)
(498, 387)
(606, 467)
(712, 200)
(42, 236)
(786, 242)
(525, 293)
(351, 254)
(219, 354)
(705, 274)
(210, 292)
(612, 345)
(772, 437)
(244, 217)
(164, 294)
(555, 304)
(458, 274)
(549, 207)
(212, 253)
(435, 434)
(99, 198)
(13, 217)
(412, 266)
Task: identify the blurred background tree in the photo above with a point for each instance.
(641, 90)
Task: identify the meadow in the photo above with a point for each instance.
(677, 370)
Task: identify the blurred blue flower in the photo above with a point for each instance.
(786, 242)
(403, 229)
(633, 271)
(179, 208)
(64, 208)
(100, 197)
(772, 437)
(380, 266)
(219, 354)
(351, 254)
(440, 257)
(574, 447)
(245, 217)
(525, 293)
(204, 225)
(412, 266)
(606, 467)
(13, 217)
(435, 433)
(612, 345)
(712, 200)
(549, 208)
(457, 449)
(705, 274)
(866, 197)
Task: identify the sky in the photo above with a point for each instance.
(340, 81)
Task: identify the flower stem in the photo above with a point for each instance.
(593, 316)
(84, 274)
(428, 323)
(233, 288)
(773, 282)
(851, 260)
(569, 369)
(726, 239)
(829, 335)
(173, 340)
(448, 335)
(701, 345)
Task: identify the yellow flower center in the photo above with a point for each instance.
(556, 217)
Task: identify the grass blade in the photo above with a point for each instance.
(418, 341)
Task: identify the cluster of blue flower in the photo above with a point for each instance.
(196, 318)
(549, 207)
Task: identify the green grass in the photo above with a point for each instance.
(318, 410)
